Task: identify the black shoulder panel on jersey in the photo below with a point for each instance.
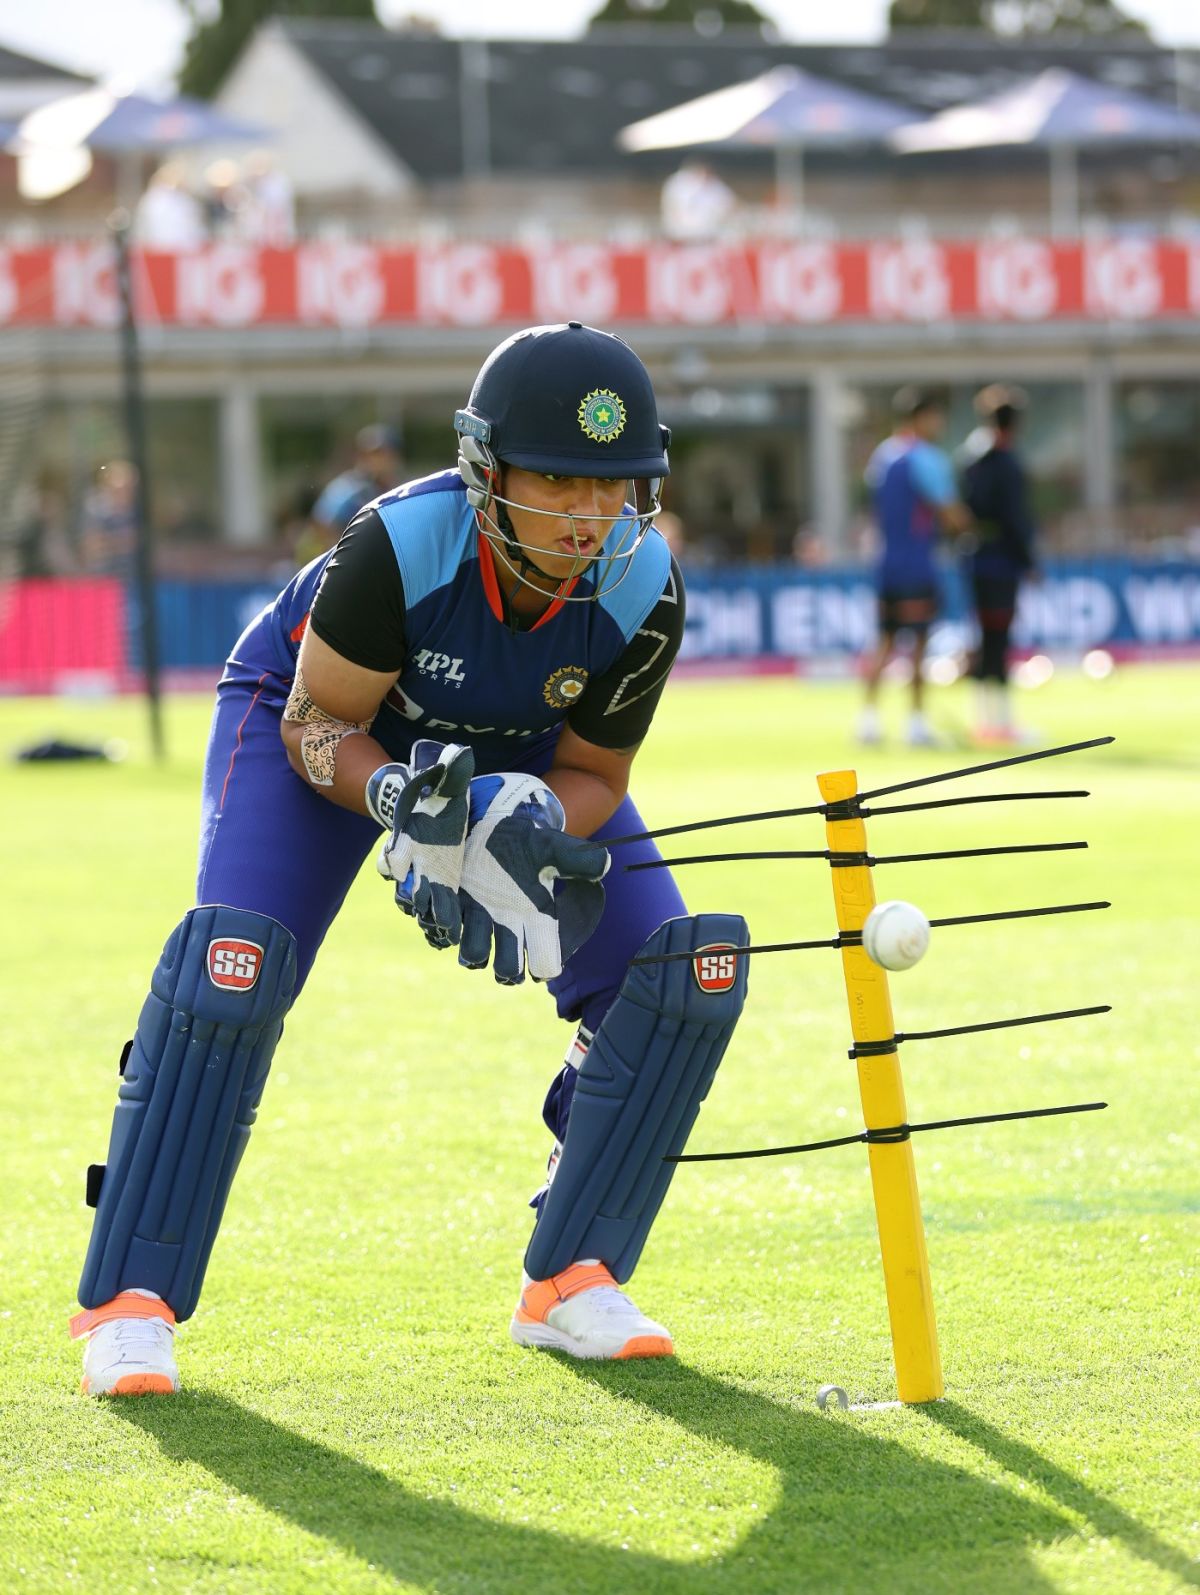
(359, 609)
(616, 707)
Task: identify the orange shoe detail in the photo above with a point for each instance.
(136, 1384)
(646, 1346)
(540, 1295)
(127, 1305)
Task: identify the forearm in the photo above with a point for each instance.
(337, 769)
(588, 800)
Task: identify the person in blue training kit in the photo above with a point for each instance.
(472, 669)
(915, 497)
(999, 555)
(377, 466)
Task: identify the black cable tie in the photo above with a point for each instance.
(724, 858)
(854, 807)
(847, 808)
(887, 1136)
(981, 769)
(853, 938)
(1000, 1024)
(977, 852)
(977, 797)
(845, 938)
(1019, 913)
(708, 825)
(874, 1049)
(849, 860)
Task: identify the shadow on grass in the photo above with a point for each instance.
(853, 1506)
(1024, 1462)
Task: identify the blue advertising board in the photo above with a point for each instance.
(787, 614)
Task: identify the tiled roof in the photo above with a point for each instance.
(557, 106)
(16, 68)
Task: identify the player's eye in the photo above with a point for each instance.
(547, 476)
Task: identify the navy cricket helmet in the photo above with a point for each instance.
(567, 400)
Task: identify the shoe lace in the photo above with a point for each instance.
(607, 1299)
(134, 1334)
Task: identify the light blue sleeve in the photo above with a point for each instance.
(329, 501)
(932, 474)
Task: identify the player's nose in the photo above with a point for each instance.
(591, 500)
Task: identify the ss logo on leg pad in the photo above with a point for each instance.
(715, 967)
(234, 965)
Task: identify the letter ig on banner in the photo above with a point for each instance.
(573, 282)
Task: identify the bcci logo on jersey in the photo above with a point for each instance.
(715, 968)
(602, 415)
(565, 686)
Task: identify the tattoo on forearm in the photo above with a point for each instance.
(322, 735)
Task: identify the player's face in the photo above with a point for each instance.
(930, 424)
(577, 515)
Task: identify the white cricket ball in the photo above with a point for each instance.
(896, 935)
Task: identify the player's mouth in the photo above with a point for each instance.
(577, 545)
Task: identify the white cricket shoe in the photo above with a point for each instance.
(921, 734)
(582, 1312)
(870, 727)
(129, 1350)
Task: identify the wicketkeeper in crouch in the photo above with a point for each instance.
(472, 669)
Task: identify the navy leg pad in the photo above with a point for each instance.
(646, 1073)
(191, 1086)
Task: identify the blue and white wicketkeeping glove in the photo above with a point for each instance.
(424, 806)
(527, 887)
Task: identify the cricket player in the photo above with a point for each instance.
(468, 675)
(912, 484)
(999, 555)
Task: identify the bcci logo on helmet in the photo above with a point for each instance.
(234, 965)
(715, 967)
(565, 686)
(602, 415)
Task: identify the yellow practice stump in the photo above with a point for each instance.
(893, 1171)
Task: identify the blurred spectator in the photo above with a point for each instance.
(809, 550)
(912, 484)
(269, 213)
(108, 536)
(41, 542)
(378, 464)
(671, 528)
(169, 216)
(696, 204)
(999, 548)
(224, 199)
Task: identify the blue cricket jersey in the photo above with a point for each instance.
(909, 480)
(464, 673)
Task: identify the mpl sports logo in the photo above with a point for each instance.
(715, 967)
(234, 965)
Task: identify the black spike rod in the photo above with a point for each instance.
(981, 769)
(853, 938)
(884, 791)
(988, 1024)
(868, 859)
(886, 1137)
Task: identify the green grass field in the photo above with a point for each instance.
(355, 1416)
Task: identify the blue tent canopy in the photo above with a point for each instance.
(785, 110)
(1059, 111)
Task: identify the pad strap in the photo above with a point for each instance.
(129, 1304)
(541, 1296)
